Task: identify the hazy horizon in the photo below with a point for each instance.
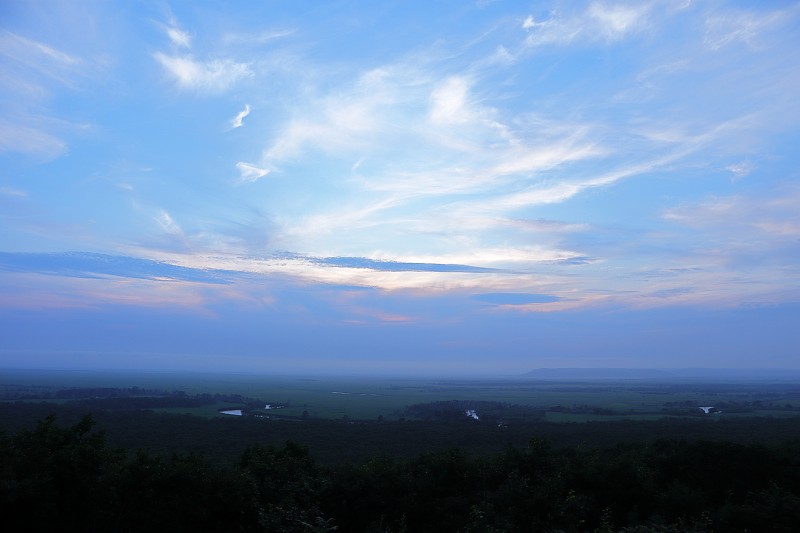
(458, 188)
(549, 374)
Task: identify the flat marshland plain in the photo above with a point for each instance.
(370, 397)
(348, 418)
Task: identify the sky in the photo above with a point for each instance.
(435, 187)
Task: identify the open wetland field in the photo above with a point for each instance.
(348, 418)
(371, 397)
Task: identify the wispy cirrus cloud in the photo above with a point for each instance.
(168, 224)
(746, 26)
(418, 173)
(599, 21)
(178, 36)
(256, 38)
(363, 272)
(474, 167)
(450, 153)
(250, 173)
(361, 115)
(616, 21)
(741, 169)
(739, 247)
(20, 137)
(745, 218)
(45, 291)
(499, 257)
(238, 120)
(454, 144)
(30, 71)
(213, 76)
(40, 57)
(457, 144)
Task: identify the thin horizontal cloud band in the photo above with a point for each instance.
(86, 264)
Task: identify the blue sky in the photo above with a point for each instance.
(451, 186)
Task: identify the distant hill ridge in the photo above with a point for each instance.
(602, 373)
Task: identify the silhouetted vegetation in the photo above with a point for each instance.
(222, 439)
(454, 465)
(68, 478)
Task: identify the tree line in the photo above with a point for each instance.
(67, 477)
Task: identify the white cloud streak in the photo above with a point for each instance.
(600, 22)
(179, 37)
(166, 222)
(743, 26)
(30, 71)
(213, 76)
(238, 120)
(250, 173)
(255, 38)
(37, 55)
(30, 140)
(362, 115)
(777, 215)
(615, 22)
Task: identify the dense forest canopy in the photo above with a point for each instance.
(69, 478)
